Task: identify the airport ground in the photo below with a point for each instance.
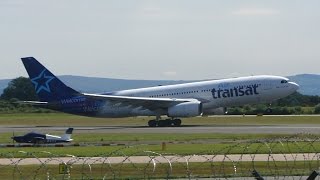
(199, 134)
(203, 136)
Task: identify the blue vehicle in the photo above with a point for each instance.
(37, 138)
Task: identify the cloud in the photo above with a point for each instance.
(255, 12)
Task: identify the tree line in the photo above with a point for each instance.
(21, 89)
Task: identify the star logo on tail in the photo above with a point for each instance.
(41, 82)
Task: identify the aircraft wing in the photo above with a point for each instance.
(135, 102)
(38, 138)
(34, 103)
(144, 102)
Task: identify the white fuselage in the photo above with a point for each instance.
(54, 139)
(212, 94)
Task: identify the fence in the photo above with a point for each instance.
(294, 157)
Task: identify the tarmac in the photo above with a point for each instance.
(155, 158)
(230, 129)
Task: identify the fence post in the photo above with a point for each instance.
(164, 146)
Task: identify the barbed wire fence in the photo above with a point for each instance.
(294, 157)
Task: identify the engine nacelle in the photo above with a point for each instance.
(187, 109)
(216, 111)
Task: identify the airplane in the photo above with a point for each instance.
(174, 101)
(37, 138)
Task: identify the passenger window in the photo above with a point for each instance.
(284, 81)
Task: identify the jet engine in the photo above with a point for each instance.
(216, 111)
(187, 109)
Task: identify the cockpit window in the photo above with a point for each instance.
(284, 81)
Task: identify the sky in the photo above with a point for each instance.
(161, 39)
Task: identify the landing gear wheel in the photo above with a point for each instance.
(169, 122)
(176, 122)
(163, 123)
(152, 123)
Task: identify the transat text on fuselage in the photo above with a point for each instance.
(235, 91)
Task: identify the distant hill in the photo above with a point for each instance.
(309, 83)
(4, 84)
(98, 85)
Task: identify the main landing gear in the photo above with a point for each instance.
(165, 123)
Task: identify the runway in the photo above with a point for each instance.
(189, 129)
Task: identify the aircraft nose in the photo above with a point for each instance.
(17, 139)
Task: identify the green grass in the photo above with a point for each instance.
(205, 143)
(181, 149)
(61, 119)
(148, 137)
(136, 138)
(162, 171)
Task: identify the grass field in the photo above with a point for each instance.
(177, 143)
(182, 144)
(181, 149)
(162, 171)
(138, 138)
(60, 119)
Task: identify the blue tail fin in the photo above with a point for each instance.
(48, 87)
(69, 131)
